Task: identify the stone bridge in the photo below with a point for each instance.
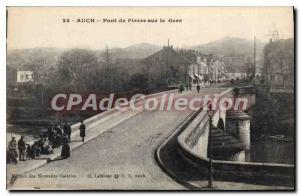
(123, 149)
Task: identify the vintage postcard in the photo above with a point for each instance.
(150, 98)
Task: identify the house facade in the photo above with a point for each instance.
(24, 76)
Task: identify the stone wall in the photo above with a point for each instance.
(195, 136)
(193, 142)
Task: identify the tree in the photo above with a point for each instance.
(279, 58)
(139, 80)
(74, 68)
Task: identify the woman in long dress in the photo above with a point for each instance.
(65, 151)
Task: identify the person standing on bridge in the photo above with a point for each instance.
(12, 150)
(58, 129)
(67, 130)
(198, 88)
(50, 133)
(21, 148)
(65, 150)
(181, 88)
(82, 130)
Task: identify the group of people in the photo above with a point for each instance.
(13, 146)
(232, 80)
(189, 87)
(54, 137)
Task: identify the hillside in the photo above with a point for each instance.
(43, 56)
(137, 51)
(49, 56)
(231, 46)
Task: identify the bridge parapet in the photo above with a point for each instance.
(95, 120)
(111, 113)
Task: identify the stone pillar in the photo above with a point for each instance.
(238, 125)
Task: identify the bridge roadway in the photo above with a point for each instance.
(121, 158)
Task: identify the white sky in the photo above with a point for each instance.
(30, 27)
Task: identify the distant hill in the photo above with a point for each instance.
(44, 56)
(136, 51)
(48, 57)
(230, 46)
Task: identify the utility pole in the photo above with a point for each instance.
(210, 114)
(107, 56)
(107, 59)
(43, 81)
(254, 57)
(167, 70)
(199, 67)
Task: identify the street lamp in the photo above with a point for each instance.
(210, 114)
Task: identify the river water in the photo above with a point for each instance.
(268, 150)
(29, 132)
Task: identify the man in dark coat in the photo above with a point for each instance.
(181, 88)
(29, 153)
(58, 129)
(37, 149)
(40, 144)
(198, 88)
(21, 148)
(67, 130)
(32, 151)
(50, 133)
(82, 130)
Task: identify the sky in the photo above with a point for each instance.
(29, 27)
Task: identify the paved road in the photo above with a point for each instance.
(122, 158)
